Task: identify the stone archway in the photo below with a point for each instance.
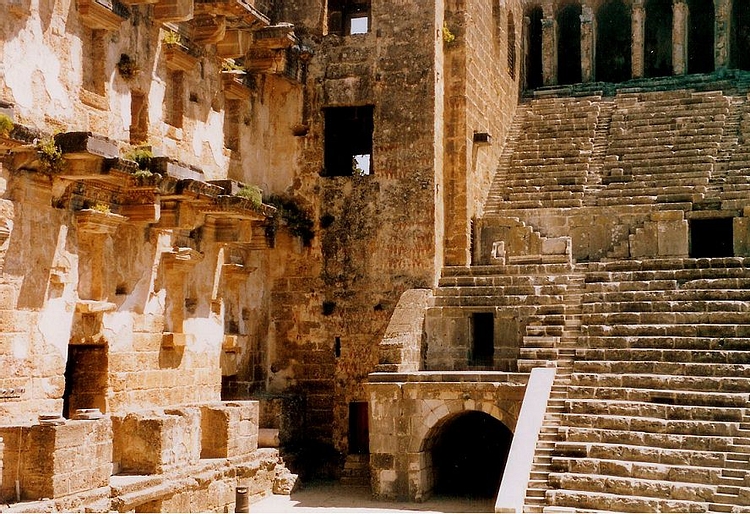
(468, 452)
(569, 44)
(613, 42)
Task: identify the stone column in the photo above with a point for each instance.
(638, 29)
(587, 43)
(679, 37)
(722, 32)
(549, 48)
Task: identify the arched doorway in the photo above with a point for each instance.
(740, 50)
(657, 44)
(569, 44)
(613, 42)
(469, 451)
(701, 36)
(534, 77)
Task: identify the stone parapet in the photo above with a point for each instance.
(229, 429)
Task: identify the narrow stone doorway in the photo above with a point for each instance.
(482, 338)
(85, 378)
(613, 42)
(712, 237)
(359, 432)
(469, 452)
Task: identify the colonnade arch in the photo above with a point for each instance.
(568, 41)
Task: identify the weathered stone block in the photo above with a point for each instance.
(229, 429)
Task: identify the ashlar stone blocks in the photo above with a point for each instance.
(229, 429)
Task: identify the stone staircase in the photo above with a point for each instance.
(655, 417)
(356, 470)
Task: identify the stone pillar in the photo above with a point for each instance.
(549, 48)
(588, 29)
(722, 32)
(638, 29)
(679, 37)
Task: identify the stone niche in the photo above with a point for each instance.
(56, 460)
(229, 429)
(154, 442)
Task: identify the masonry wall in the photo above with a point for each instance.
(375, 235)
(481, 96)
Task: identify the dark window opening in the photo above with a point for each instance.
(701, 36)
(658, 38)
(482, 338)
(511, 46)
(359, 428)
(534, 77)
(740, 49)
(569, 44)
(613, 42)
(712, 237)
(348, 141)
(469, 455)
(348, 17)
(94, 73)
(86, 379)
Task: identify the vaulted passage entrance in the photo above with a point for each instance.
(469, 451)
(613, 42)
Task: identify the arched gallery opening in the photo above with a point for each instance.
(740, 48)
(658, 38)
(569, 44)
(701, 21)
(469, 451)
(613, 42)
(534, 48)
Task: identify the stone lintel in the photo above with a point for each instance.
(172, 168)
(85, 145)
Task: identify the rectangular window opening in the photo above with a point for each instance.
(348, 141)
(713, 237)
(348, 17)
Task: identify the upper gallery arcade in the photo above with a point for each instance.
(572, 41)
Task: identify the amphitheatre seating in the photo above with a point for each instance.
(656, 408)
(549, 164)
(662, 146)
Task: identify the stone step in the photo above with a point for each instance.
(692, 371)
(636, 469)
(654, 353)
(658, 404)
(644, 440)
(660, 329)
(582, 499)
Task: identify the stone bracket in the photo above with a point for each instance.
(103, 14)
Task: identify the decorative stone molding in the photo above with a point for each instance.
(233, 85)
(235, 44)
(178, 58)
(207, 29)
(92, 221)
(242, 12)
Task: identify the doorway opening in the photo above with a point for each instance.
(85, 379)
(359, 428)
(469, 452)
(712, 237)
(348, 141)
(482, 338)
(740, 49)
